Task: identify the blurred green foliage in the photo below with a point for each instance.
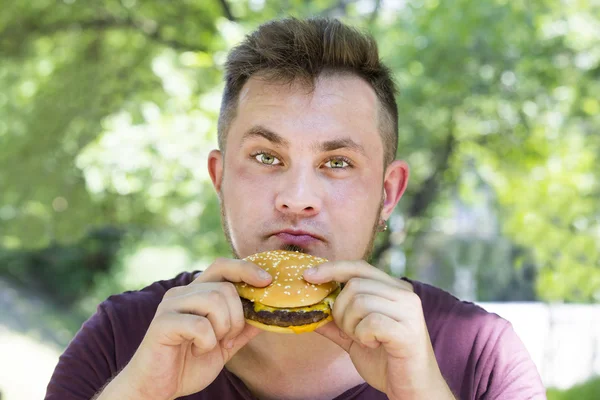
(62, 277)
(108, 110)
(585, 391)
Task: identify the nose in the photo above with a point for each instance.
(299, 194)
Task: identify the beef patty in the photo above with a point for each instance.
(281, 317)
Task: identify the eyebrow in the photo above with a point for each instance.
(342, 143)
(260, 131)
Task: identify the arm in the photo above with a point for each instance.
(118, 388)
(195, 331)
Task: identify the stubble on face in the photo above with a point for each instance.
(367, 253)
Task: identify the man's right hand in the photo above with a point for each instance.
(196, 330)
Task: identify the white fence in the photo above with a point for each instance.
(563, 339)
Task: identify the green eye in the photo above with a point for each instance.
(267, 159)
(337, 163)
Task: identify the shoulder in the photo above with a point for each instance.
(137, 307)
(478, 352)
(149, 295)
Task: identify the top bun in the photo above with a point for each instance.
(288, 288)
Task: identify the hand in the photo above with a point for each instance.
(379, 321)
(196, 330)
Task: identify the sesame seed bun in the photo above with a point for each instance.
(288, 288)
(289, 303)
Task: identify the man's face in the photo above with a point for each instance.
(303, 169)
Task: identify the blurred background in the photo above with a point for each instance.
(108, 110)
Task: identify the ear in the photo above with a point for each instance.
(215, 169)
(394, 185)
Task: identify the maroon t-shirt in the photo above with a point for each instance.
(479, 353)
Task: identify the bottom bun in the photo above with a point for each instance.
(291, 329)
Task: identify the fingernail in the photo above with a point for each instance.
(311, 271)
(264, 274)
(229, 344)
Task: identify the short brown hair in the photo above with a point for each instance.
(290, 50)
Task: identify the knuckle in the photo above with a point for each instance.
(213, 296)
(173, 292)
(375, 321)
(353, 285)
(225, 322)
(413, 300)
(201, 326)
(229, 289)
(159, 319)
(360, 302)
(361, 333)
(205, 330)
(165, 305)
(238, 324)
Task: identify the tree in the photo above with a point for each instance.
(108, 111)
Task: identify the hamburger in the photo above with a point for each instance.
(289, 304)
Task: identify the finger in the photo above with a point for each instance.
(364, 305)
(248, 333)
(236, 310)
(356, 286)
(333, 333)
(378, 329)
(343, 271)
(224, 269)
(209, 303)
(174, 329)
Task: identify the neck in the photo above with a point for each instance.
(290, 361)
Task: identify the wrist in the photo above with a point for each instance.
(433, 388)
(443, 393)
(123, 386)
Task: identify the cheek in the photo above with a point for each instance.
(357, 196)
(244, 189)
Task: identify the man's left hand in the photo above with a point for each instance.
(379, 321)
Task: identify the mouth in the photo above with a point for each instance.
(297, 238)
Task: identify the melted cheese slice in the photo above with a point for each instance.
(325, 305)
(310, 327)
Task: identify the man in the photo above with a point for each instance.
(307, 139)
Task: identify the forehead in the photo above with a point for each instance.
(338, 105)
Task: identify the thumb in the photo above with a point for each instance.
(248, 333)
(335, 334)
